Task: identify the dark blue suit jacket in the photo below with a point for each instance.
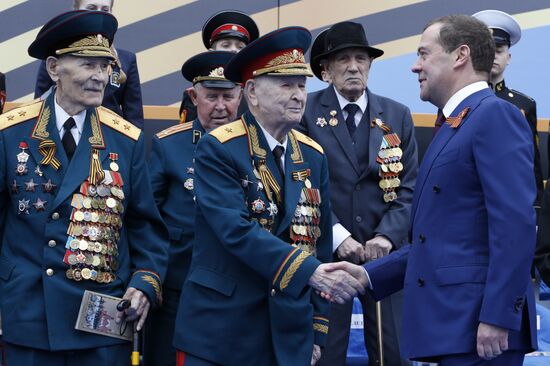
(473, 236)
(246, 300)
(39, 307)
(357, 200)
(172, 177)
(123, 99)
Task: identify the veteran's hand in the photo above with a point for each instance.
(357, 272)
(337, 285)
(139, 307)
(316, 355)
(351, 250)
(377, 247)
(491, 341)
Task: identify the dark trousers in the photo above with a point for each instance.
(334, 353)
(510, 358)
(159, 331)
(118, 355)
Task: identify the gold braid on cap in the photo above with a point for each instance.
(214, 75)
(291, 63)
(96, 45)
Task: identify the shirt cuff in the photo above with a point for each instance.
(339, 234)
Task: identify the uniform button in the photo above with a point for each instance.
(421, 238)
(358, 187)
(358, 218)
(420, 282)
(436, 189)
(55, 216)
(273, 292)
(49, 272)
(52, 243)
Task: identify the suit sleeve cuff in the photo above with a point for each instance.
(339, 234)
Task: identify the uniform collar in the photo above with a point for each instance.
(272, 141)
(61, 117)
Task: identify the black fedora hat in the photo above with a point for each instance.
(79, 32)
(208, 69)
(317, 48)
(346, 35)
(229, 23)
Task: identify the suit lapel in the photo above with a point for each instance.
(329, 101)
(375, 134)
(443, 137)
(294, 162)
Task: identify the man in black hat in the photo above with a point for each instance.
(506, 33)
(172, 176)
(78, 209)
(225, 31)
(262, 223)
(372, 156)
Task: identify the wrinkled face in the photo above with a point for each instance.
(349, 70)
(280, 99)
(97, 5)
(230, 44)
(215, 107)
(502, 58)
(80, 81)
(434, 67)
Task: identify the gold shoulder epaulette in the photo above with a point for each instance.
(20, 114)
(307, 140)
(229, 131)
(118, 123)
(180, 127)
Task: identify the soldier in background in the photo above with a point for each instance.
(172, 178)
(506, 33)
(225, 31)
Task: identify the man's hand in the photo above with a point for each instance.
(491, 341)
(351, 250)
(139, 307)
(316, 355)
(377, 247)
(335, 284)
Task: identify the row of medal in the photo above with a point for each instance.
(389, 160)
(94, 230)
(24, 205)
(304, 226)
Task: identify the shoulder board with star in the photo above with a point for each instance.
(229, 131)
(307, 141)
(118, 123)
(175, 129)
(21, 114)
(521, 94)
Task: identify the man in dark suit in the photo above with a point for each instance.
(262, 223)
(123, 92)
(172, 176)
(78, 209)
(506, 33)
(227, 30)
(468, 298)
(370, 210)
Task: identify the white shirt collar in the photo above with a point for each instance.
(61, 117)
(362, 102)
(462, 94)
(272, 141)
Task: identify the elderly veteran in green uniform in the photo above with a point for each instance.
(506, 33)
(79, 210)
(262, 223)
(172, 176)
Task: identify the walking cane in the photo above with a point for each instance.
(380, 333)
(123, 305)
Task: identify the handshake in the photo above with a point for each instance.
(339, 282)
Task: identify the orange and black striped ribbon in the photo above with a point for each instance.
(48, 149)
(96, 171)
